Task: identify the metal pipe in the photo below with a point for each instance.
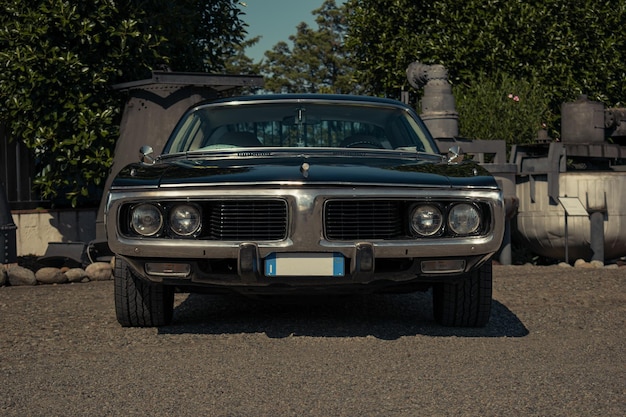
(438, 104)
(597, 236)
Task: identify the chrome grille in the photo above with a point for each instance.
(354, 220)
(247, 220)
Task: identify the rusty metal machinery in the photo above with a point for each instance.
(589, 122)
(587, 166)
(438, 109)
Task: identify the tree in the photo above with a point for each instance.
(567, 48)
(197, 35)
(61, 58)
(240, 63)
(318, 60)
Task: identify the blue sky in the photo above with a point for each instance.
(276, 20)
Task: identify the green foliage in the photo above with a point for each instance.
(503, 108)
(379, 36)
(317, 62)
(568, 48)
(196, 35)
(52, 89)
(60, 59)
(240, 63)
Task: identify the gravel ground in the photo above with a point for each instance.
(555, 347)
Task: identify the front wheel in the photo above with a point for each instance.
(467, 302)
(139, 303)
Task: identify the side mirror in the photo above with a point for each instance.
(455, 155)
(146, 155)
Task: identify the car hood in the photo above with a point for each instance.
(305, 169)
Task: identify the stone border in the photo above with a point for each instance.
(16, 275)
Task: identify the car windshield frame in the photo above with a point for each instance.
(300, 123)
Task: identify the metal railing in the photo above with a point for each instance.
(17, 170)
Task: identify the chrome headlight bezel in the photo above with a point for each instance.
(464, 219)
(146, 219)
(185, 220)
(426, 219)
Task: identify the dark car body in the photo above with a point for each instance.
(293, 194)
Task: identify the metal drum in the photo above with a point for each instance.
(540, 226)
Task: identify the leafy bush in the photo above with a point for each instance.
(502, 108)
(55, 89)
(60, 59)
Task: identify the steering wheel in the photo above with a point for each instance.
(361, 141)
(364, 144)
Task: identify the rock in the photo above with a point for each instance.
(75, 274)
(580, 263)
(99, 271)
(3, 276)
(564, 265)
(50, 275)
(19, 275)
(597, 264)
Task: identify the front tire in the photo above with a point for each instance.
(467, 302)
(139, 303)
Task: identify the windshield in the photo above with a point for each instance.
(299, 124)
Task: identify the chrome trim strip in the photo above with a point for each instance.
(305, 225)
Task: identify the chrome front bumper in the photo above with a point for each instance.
(305, 229)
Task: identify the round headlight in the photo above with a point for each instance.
(426, 220)
(185, 219)
(463, 219)
(146, 219)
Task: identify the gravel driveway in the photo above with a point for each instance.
(556, 346)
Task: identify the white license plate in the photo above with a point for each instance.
(305, 264)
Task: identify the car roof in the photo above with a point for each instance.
(310, 97)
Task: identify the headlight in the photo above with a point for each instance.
(185, 219)
(463, 219)
(146, 219)
(426, 220)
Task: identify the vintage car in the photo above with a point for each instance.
(303, 194)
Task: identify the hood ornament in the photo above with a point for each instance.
(304, 169)
(455, 155)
